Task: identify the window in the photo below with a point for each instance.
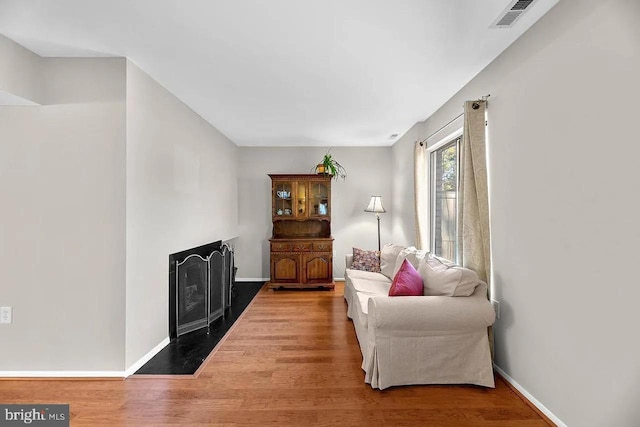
(444, 166)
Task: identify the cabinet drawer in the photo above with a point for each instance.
(302, 246)
(281, 247)
(322, 246)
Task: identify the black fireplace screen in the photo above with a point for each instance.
(216, 297)
(203, 287)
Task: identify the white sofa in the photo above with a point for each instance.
(418, 339)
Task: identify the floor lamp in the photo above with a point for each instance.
(375, 205)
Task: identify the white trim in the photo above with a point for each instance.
(339, 279)
(456, 125)
(61, 374)
(530, 397)
(444, 141)
(487, 144)
(454, 136)
(144, 359)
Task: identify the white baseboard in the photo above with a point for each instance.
(61, 374)
(88, 374)
(530, 397)
(144, 359)
(339, 279)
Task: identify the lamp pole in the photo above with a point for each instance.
(378, 218)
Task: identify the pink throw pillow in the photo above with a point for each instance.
(407, 282)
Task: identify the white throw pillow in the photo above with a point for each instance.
(446, 279)
(388, 256)
(412, 254)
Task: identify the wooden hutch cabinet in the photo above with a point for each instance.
(301, 243)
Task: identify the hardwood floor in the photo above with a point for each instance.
(292, 359)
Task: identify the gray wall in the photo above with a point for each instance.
(563, 193)
(62, 222)
(20, 71)
(100, 184)
(368, 172)
(181, 193)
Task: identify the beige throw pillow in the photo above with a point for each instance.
(412, 255)
(388, 257)
(441, 278)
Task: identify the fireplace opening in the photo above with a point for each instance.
(201, 282)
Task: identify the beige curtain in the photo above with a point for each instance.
(421, 194)
(473, 208)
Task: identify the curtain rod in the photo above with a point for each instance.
(483, 98)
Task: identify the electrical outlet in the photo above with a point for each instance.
(5, 315)
(496, 307)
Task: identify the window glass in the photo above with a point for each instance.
(444, 200)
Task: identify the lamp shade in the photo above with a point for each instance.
(375, 205)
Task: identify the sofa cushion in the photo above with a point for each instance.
(369, 275)
(442, 278)
(388, 257)
(372, 287)
(366, 260)
(407, 282)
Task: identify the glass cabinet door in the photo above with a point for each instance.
(301, 199)
(319, 199)
(283, 199)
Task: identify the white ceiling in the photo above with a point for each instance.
(285, 72)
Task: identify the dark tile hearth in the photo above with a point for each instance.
(185, 354)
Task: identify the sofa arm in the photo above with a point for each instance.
(348, 260)
(427, 314)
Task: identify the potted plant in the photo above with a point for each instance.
(330, 166)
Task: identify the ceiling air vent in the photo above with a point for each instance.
(514, 10)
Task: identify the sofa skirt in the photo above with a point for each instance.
(463, 358)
